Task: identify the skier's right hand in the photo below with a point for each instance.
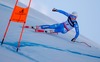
(73, 40)
(54, 9)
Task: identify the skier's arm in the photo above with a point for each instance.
(76, 29)
(61, 11)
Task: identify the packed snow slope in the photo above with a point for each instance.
(41, 47)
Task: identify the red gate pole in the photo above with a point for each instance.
(22, 31)
(20, 37)
(29, 3)
(7, 27)
(5, 32)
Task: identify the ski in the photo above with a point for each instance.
(36, 29)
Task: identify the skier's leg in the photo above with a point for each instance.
(49, 26)
(41, 27)
(45, 26)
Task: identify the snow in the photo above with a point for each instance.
(41, 47)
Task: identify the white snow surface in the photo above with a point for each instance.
(41, 47)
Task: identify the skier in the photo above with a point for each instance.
(63, 27)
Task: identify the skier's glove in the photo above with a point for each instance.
(54, 10)
(73, 40)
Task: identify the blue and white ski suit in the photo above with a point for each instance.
(65, 26)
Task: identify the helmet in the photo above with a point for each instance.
(74, 13)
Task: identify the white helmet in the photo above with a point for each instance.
(74, 13)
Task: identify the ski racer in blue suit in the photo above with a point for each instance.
(64, 27)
